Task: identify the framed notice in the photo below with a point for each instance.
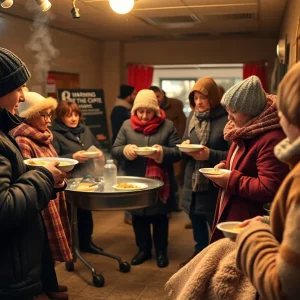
(92, 106)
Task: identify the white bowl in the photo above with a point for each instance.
(228, 229)
(212, 171)
(189, 147)
(91, 154)
(65, 164)
(142, 151)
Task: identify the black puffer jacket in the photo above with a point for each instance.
(66, 144)
(23, 195)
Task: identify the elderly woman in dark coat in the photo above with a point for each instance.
(204, 126)
(149, 127)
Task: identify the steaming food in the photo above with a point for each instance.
(44, 163)
(125, 185)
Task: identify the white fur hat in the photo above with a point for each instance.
(34, 103)
(146, 99)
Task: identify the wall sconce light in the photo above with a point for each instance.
(281, 50)
(45, 5)
(6, 3)
(75, 11)
(121, 6)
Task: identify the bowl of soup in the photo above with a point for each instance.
(142, 151)
(65, 164)
(230, 229)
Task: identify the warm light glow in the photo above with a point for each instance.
(121, 6)
(6, 3)
(44, 4)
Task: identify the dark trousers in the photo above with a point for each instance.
(84, 224)
(142, 230)
(200, 231)
(48, 275)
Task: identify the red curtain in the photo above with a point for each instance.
(257, 69)
(140, 76)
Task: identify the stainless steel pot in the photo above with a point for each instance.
(114, 200)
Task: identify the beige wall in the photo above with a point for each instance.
(77, 54)
(289, 27)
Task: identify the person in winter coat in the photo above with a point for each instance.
(204, 126)
(34, 139)
(269, 254)
(256, 173)
(148, 126)
(24, 193)
(71, 138)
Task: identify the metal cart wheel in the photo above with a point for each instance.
(124, 267)
(98, 280)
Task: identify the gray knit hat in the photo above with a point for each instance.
(246, 96)
(13, 72)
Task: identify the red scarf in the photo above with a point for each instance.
(154, 170)
(149, 127)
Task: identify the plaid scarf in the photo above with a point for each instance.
(149, 127)
(153, 170)
(201, 122)
(266, 121)
(34, 143)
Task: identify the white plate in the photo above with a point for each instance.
(226, 228)
(91, 154)
(145, 151)
(211, 171)
(189, 147)
(139, 186)
(65, 164)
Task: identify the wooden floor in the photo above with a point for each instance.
(143, 282)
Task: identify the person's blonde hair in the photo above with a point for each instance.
(288, 100)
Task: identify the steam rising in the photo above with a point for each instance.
(40, 41)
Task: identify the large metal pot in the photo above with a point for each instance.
(115, 200)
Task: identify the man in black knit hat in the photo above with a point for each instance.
(23, 193)
(122, 108)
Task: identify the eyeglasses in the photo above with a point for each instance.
(45, 115)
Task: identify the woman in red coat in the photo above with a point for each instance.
(256, 173)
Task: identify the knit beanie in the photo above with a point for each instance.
(146, 99)
(208, 87)
(35, 103)
(246, 96)
(125, 91)
(13, 72)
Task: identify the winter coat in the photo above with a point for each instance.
(119, 114)
(174, 112)
(205, 202)
(254, 180)
(34, 143)
(166, 136)
(269, 255)
(66, 144)
(23, 195)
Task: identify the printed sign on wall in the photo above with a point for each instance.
(92, 106)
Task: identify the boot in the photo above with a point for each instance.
(162, 259)
(90, 247)
(188, 260)
(57, 295)
(140, 257)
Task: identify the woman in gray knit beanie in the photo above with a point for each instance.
(23, 193)
(254, 130)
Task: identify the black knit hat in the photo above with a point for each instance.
(125, 91)
(13, 72)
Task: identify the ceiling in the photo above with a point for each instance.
(161, 19)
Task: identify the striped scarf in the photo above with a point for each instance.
(201, 122)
